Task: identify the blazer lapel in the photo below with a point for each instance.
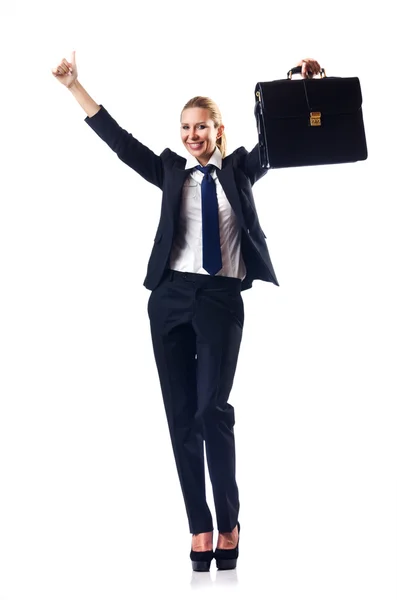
(179, 177)
(226, 178)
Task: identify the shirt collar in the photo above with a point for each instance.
(216, 160)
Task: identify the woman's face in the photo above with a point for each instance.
(199, 134)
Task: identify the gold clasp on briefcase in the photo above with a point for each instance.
(315, 119)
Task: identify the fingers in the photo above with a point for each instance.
(310, 67)
(63, 68)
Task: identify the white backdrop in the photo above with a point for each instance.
(90, 505)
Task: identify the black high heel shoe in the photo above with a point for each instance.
(201, 561)
(227, 559)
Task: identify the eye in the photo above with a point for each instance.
(185, 126)
(202, 126)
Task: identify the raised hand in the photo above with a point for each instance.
(310, 67)
(66, 72)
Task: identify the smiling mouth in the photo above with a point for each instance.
(195, 145)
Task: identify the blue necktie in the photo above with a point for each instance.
(212, 257)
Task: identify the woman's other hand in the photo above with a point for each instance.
(310, 67)
(66, 72)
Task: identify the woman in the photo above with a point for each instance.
(208, 248)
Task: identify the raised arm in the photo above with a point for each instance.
(128, 149)
(84, 99)
(252, 165)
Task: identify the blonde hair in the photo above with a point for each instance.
(215, 115)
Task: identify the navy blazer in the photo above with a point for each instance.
(240, 170)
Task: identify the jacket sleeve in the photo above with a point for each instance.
(251, 164)
(129, 150)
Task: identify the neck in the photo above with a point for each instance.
(204, 161)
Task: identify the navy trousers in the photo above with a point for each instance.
(196, 323)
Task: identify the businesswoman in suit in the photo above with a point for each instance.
(208, 248)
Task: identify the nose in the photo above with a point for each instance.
(193, 135)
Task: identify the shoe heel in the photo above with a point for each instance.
(201, 561)
(226, 563)
(201, 565)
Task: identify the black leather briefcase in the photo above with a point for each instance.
(310, 121)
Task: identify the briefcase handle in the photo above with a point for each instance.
(296, 70)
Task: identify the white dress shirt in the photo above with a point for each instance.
(187, 249)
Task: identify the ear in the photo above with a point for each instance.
(220, 131)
